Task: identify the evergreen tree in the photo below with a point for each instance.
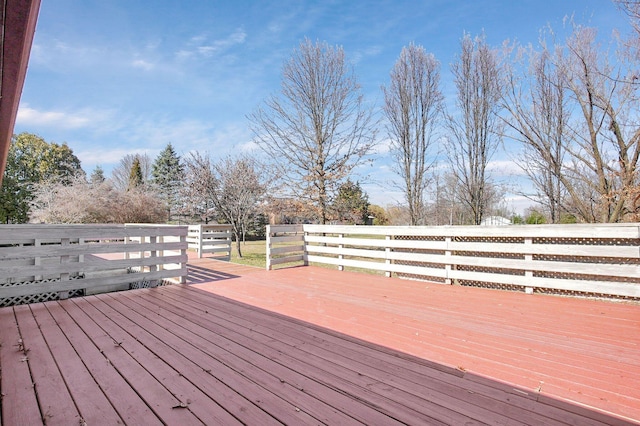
(14, 201)
(135, 175)
(121, 174)
(168, 175)
(352, 203)
(97, 176)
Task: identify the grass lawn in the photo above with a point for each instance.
(254, 253)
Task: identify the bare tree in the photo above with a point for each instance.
(537, 113)
(230, 188)
(632, 9)
(473, 137)
(121, 174)
(318, 129)
(287, 210)
(199, 184)
(604, 157)
(239, 185)
(413, 104)
(577, 114)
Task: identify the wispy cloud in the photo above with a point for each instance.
(201, 45)
(158, 131)
(382, 146)
(142, 64)
(28, 116)
(62, 55)
(109, 156)
(505, 168)
(370, 51)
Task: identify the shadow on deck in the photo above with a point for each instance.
(311, 346)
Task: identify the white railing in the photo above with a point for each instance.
(214, 239)
(44, 259)
(597, 259)
(285, 244)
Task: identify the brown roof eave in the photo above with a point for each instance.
(18, 27)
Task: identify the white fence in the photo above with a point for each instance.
(214, 239)
(594, 259)
(44, 262)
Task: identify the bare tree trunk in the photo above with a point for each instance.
(413, 104)
(236, 234)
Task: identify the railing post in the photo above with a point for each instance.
(447, 256)
(81, 241)
(183, 252)
(200, 241)
(229, 244)
(528, 242)
(127, 254)
(161, 252)
(37, 260)
(153, 253)
(64, 276)
(387, 251)
(305, 254)
(340, 256)
(268, 248)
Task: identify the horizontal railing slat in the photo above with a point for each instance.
(78, 249)
(529, 231)
(90, 266)
(77, 284)
(216, 250)
(288, 249)
(288, 259)
(287, 239)
(507, 248)
(379, 266)
(86, 232)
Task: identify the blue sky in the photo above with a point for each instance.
(117, 77)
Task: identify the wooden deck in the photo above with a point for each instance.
(316, 346)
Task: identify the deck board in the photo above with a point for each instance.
(52, 391)
(108, 338)
(239, 345)
(19, 403)
(96, 408)
(121, 396)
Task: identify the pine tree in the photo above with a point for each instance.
(135, 176)
(97, 176)
(352, 203)
(168, 175)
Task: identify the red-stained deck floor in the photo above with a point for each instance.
(316, 346)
